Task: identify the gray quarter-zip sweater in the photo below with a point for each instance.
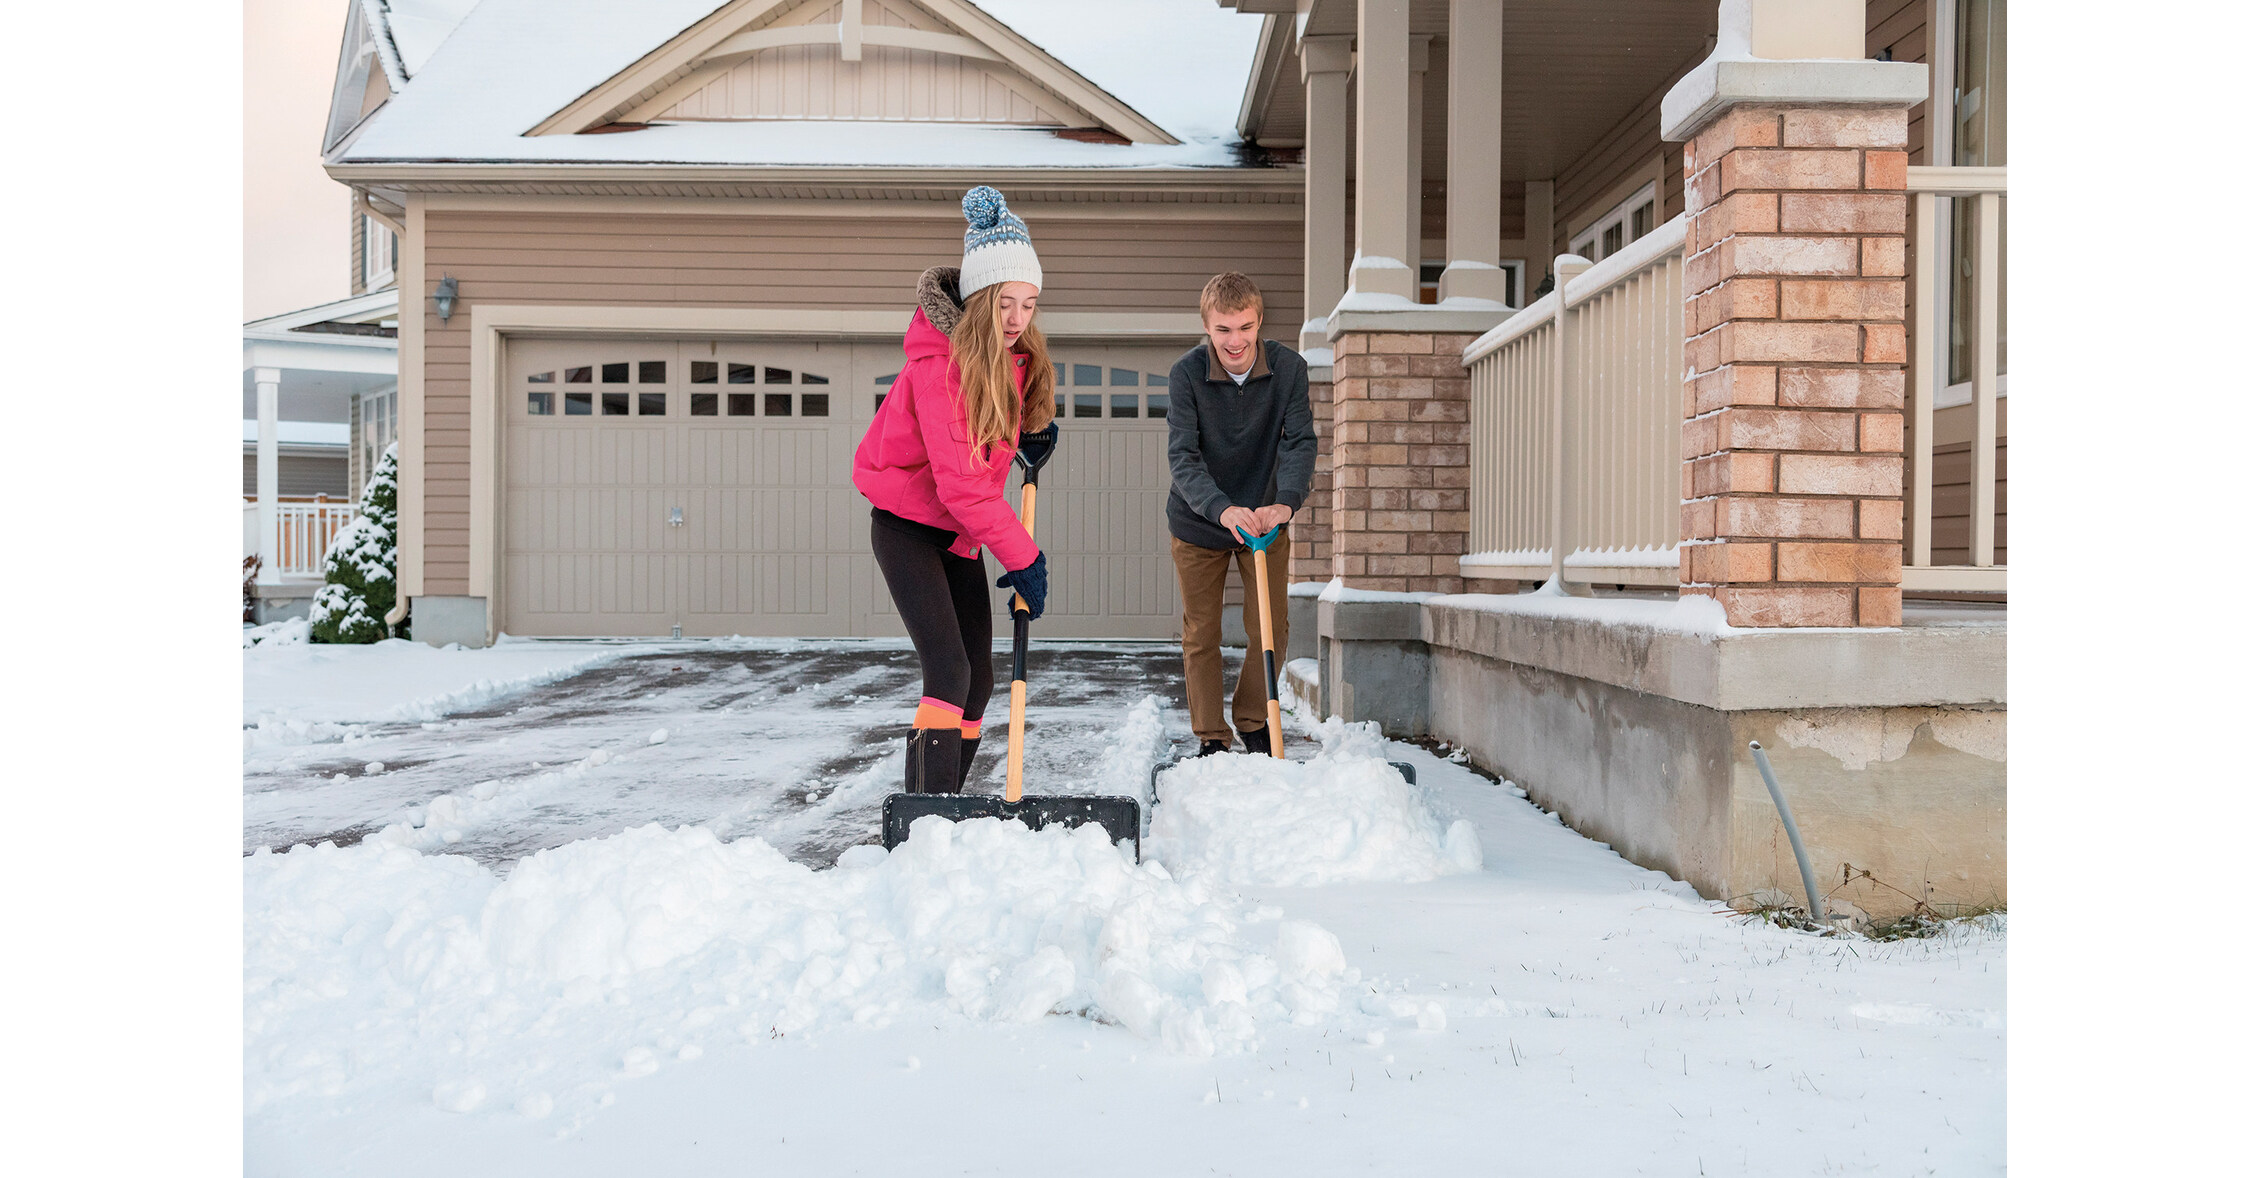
(1247, 445)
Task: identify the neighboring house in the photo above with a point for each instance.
(683, 240)
(319, 406)
(1692, 313)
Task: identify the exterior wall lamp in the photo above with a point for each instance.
(448, 290)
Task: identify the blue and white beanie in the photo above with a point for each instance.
(997, 248)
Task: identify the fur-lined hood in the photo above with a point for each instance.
(939, 294)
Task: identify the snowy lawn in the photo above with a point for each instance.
(1319, 969)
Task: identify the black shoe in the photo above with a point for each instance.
(933, 761)
(1258, 741)
(1213, 746)
(968, 756)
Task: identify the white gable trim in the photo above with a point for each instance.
(682, 65)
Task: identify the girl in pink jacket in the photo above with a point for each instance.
(935, 465)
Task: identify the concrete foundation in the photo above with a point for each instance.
(442, 621)
(1632, 720)
(281, 603)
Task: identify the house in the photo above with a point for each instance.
(679, 243)
(319, 406)
(1691, 314)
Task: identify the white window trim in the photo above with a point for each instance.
(1585, 240)
(378, 255)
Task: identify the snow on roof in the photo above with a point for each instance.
(509, 64)
(418, 26)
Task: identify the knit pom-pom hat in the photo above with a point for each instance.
(997, 248)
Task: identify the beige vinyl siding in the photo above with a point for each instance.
(1623, 152)
(1120, 265)
(1903, 27)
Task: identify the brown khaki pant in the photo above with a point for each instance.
(1203, 592)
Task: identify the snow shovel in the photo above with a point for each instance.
(1119, 816)
(1258, 546)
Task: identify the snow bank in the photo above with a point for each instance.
(1345, 816)
(596, 961)
(297, 692)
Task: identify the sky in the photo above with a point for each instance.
(296, 224)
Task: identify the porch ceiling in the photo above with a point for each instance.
(311, 395)
(1572, 69)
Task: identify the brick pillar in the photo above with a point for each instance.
(1308, 528)
(1401, 461)
(1796, 350)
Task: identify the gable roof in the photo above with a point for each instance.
(744, 28)
(1168, 72)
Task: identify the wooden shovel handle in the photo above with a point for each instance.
(1029, 514)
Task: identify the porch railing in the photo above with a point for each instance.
(302, 531)
(1976, 195)
(1574, 411)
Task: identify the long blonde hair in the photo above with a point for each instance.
(985, 366)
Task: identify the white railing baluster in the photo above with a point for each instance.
(1922, 387)
(1985, 391)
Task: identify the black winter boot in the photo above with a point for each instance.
(968, 756)
(933, 761)
(1257, 741)
(1213, 746)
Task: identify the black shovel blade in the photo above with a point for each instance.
(1119, 816)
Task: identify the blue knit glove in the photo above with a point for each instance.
(1030, 582)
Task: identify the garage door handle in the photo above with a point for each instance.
(677, 518)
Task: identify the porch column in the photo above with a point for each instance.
(1792, 486)
(1472, 156)
(268, 381)
(1327, 67)
(1417, 70)
(1384, 234)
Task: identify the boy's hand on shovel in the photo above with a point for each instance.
(1240, 519)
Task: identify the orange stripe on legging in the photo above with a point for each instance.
(936, 713)
(972, 729)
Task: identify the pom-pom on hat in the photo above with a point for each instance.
(997, 247)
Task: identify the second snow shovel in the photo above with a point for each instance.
(1120, 817)
(1258, 546)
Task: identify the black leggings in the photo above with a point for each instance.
(946, 604)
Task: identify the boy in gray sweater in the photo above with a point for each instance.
(1241, 450)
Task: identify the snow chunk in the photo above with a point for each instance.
(1345, 816)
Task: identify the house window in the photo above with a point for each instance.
(1980, 140)
(1632, 219)
(374, 428)
(378, 254)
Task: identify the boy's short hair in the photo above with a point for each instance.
(1230, 292)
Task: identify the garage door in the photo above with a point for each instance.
(704, 488)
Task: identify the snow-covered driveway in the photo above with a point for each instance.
(1453, 983)
(796, 741)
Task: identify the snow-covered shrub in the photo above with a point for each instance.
(362, 565)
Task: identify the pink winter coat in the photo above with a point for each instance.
(916, 461)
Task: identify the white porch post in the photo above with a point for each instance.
(1327, 66)
(1384, 234)
(269, 471)
(1472, 156)
(1417, 70)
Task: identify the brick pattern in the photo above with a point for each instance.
(1793, 478)
(1308, 528)
(1399, 518)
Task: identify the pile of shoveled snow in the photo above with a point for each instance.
(1345, 816)
(376, 965)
